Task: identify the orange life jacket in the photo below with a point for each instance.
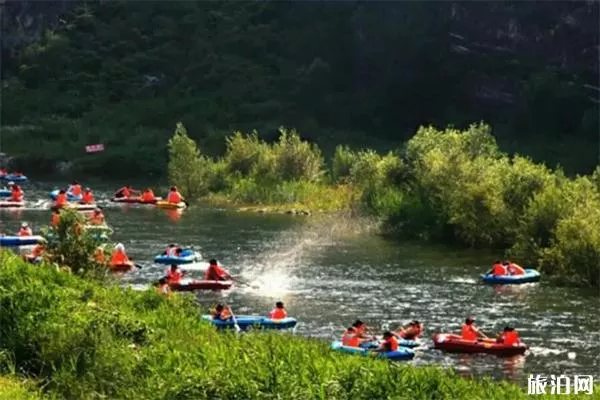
(215, 273)
(468, 333)
(88, 198)
(174, 276)
(390, 344)
(223, 315)
(148, 196)
(509, 338)
(515, 269)
(97, 219)
(119, 258)
(75, 190)
(16, 194)
(37, 251)
(99, 255)
(25, 232)
(350, 339)
(174, 197)
(55, 221)
(61, 200)
(278, 313)
(499, 269)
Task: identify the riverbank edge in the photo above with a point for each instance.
(132, 335)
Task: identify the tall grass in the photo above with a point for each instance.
(86, 341)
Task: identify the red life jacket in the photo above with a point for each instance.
(350, 339)
(390, 344)
(468, 333)
(499, 269)
(278, 313)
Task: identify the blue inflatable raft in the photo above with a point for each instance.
(5, 193)
(14, 241)
(187, 256)
(402, 353)
(531, 275)
(401, 342)
(70, 196)
(253, 321)
(14, 178)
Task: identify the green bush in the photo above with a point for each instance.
(342, 162)
(85, 341)
(297, 159)
(13, 389)
(244, 153)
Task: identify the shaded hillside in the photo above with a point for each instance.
(123, 74)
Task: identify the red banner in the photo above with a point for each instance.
(94, 148)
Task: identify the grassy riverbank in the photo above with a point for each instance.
(448, 186)
(81, 339)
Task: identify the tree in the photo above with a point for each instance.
(188, 168)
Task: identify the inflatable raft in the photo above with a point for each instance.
(253, 321)
(70, 196)
(14, 178)
(402, 353)
(122, 267)
(187, 256)
(15, 241)
(5, 193)
(11, 204)
(191, 285)
(401, 342)
(531, 275)
(455, 344)
(133, 200)
(170, 206)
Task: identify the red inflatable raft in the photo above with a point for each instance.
(188, 286)
(122, 267)
(133, 200)
(455, 344)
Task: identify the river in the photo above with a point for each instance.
(329, 274)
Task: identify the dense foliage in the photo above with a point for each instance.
(86, 341)
(122, 73)
(452, 186)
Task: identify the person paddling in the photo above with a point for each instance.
(61, 199)
(410, 332)
(97, 218)
(16, 194)
(75, 189)
(174, 275)
(349, 338)
(25, 230)
(278, 312)
(174, 196)
(390, 343)
(221, 313)
(509, 337)
(148, 196)
(215, 272)
(119, 257)
(125, 192)
(88, 197)
(172, 250)
(470, 331)
(514, 269)
(498, 269)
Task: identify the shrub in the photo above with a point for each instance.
(297, 159)
(342, 162)
(243, 152)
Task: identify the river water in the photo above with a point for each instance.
(330, 273)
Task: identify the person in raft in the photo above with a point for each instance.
(119, 257)
(215, 272)
(174, 196)
(390, 343)
(278, 312)
(97, 218)
(55, 219)
(88, 197)
(349, 338)
(509, 337)
(37, 251)
(61, 199)
(174, 275)
(410, 332)
(162, 287)
(148, 196)
(221, 313)
(16, 194)
(361, 331)
(126, 191)
(75, 189)
(25, 230)
(513, 269)
(172, 250)
(470, 331)
(498, 269)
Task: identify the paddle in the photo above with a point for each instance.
(138, 266)
(237, 327)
